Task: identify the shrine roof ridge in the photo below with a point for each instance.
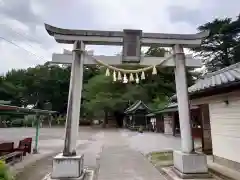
(135, 106)
(61, 31)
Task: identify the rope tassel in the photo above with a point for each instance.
(131, 78)
(125, 80)
(119, 76)
(107, 72)
(137, 78)
(154, 70)
(143, 75)
(114, 76)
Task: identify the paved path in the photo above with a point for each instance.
(121, 152)
(148, 141)
(36, 166)
(119, 161)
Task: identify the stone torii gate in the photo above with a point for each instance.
(70, 165)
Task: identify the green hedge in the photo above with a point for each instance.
(5, 174)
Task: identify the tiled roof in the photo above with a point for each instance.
(4, 107)
(224, 76)
(172, 107)
(135, 106)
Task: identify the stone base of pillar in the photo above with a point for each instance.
(88, 175)
(67, 167)
(173, 174)
(189, 166)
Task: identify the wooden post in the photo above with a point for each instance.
(35, 149)
(174, 124)
(206, 129)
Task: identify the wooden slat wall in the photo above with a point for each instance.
(225, 125)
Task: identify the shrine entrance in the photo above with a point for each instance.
(69, 164)
(119, 116)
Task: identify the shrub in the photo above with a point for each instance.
(17, 123)
(85, 122)
(140, 129)
(5, 174)
(61, 120)
(29, 120)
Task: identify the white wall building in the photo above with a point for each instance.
(218, 94)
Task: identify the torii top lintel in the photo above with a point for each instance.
(97, 37)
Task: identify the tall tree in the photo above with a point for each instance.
(8, 91)
(156, 51)
(39, 85)
(222, 47)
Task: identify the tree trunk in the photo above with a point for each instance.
(3, 122)
(50, 122)
(105, 121)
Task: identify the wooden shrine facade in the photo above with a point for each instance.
(136, 116)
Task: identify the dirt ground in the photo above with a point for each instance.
(36, 170)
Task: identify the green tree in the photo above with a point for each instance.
(222, 47)
(40, 85)
(102, 95)
(9, 91)
(156, 51)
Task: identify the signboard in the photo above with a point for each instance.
(131, 46)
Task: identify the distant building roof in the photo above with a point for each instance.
(174, 109)
(221, 77)
(224, 77)
(9, 109)
(151, 115)
(137, 105)
(171, 107)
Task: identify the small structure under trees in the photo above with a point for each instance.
(22, 112)
(136, 115)
(157, 122)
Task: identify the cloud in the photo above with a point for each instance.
(205, 12)
(22, 22)
(21, 11)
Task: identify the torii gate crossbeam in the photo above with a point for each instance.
(67, 58)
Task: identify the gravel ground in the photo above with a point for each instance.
(37, 170)
(50, 144)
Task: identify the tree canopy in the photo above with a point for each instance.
(43, 84)
(222, 47)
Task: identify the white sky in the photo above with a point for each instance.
(22, 22)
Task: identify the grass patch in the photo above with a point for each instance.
(161, 159)
(162, 156)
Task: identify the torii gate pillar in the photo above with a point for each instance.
(187, 163)
(69, 164)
